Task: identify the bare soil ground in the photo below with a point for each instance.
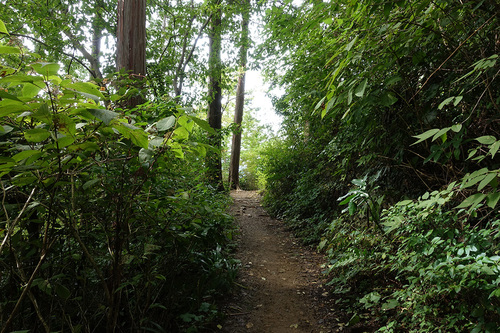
(280, 285)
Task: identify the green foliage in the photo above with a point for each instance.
(433, 266)
(106, 222)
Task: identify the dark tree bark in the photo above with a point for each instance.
(234, 166)
(131, 42)
(213, 159)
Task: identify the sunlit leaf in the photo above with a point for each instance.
(165, 123)
(3, 28)
(46, 68)
(486, 139)
(424, 136)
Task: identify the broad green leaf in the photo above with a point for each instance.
(145, 155)
(87, 89)
(445, 102)
(62, 291)
(24, 154)
(486, 140)
(20, 79)
(46, 68)
(5, 129)
(351, 43)
(138, 136)
(492, 199)
(86, 146)
(181, 133)
(456, 128)
(424, 136)
(3, 28)
(88, 184)
(390, 304)
(30, 90)
(360, 89)
(64, 141)
(487, 179)
(458, 99)
(36, 135)
(185, 122)
(43, 114)
(5, 95)
(9, 50)
(472, 201)
(494, 148)
(388, 98)
(328, 21)
(102, 114)
(165, 123)
(203, 124)
(440, 133)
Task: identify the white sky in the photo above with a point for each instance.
(255, 87)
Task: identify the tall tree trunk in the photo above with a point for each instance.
(131, 56)
(213, 159)
(131, 43)
(234, 166)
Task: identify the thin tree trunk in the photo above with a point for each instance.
(131, 43)
(213, 159)
(234, 166)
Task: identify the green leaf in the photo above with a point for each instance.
(3, 28)
(5, 95)
(472, 201)
(36, 135)
(489, 177)
(90, 183)
(360, 89)
(87, 89)
(424, 136)
(203, 124)
(445, 102)
(486, 139)
(390, 304)
(456, 128)
(9, 50)
(30, 90)
(46, 68)
(494, 148)
(43, 114)
(24, 155)
(185, 121)
(440, 133)
(165, 123)
(145, 155)
(492, 199)
(102, 114)
(388, 98)
(181, 133)
(62, 291)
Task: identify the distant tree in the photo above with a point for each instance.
(214, 117)
(234, 165)
(131, 42)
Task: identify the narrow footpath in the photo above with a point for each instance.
(280, 286)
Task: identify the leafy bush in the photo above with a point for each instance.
(106, 222)
(431, 270)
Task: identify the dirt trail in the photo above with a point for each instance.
(280, 284)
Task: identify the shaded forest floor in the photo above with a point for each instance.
(280, 285)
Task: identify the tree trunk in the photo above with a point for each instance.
(131, 43)
(213, 159)
(234, 166)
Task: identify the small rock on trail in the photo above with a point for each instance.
(277, 279)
